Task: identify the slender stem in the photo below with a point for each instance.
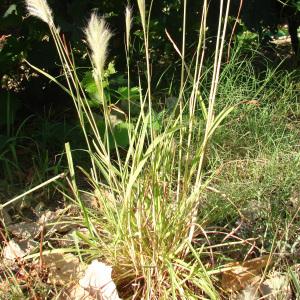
(210, 117)
(180, 100)
(59, 176)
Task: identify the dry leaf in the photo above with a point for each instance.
(249, 293)
(239, 275)
(56, 221)
(253, 102)
(62, 268)
(67, 240)
(5, 217)
(294, 200)
(276, 287)
(48, 217)
(13, 251)
(98, 282)
(89, 200)
(76, 292)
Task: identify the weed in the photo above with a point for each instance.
(192, 190)
(148, 201)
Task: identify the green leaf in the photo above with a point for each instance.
(157, 120)
(120, 133)
(3, 140)
(123, 93)
(110, 69)
(88, 83)
(90, 87)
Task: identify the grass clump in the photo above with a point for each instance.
(254, 161)
(148, 197)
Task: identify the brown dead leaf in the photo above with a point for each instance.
(253, 102)
(5, 217)
(76, 292)
(56, 221)
(63, 269)
(89, 200)
(240, 275)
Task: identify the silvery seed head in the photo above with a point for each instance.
(128, 23)
(98, 35)
(142, 9)
(41, 10)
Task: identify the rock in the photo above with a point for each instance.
(24, 230)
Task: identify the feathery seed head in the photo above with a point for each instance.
(41, 10)
(98, 35)
(128, 23)
(142, 9)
